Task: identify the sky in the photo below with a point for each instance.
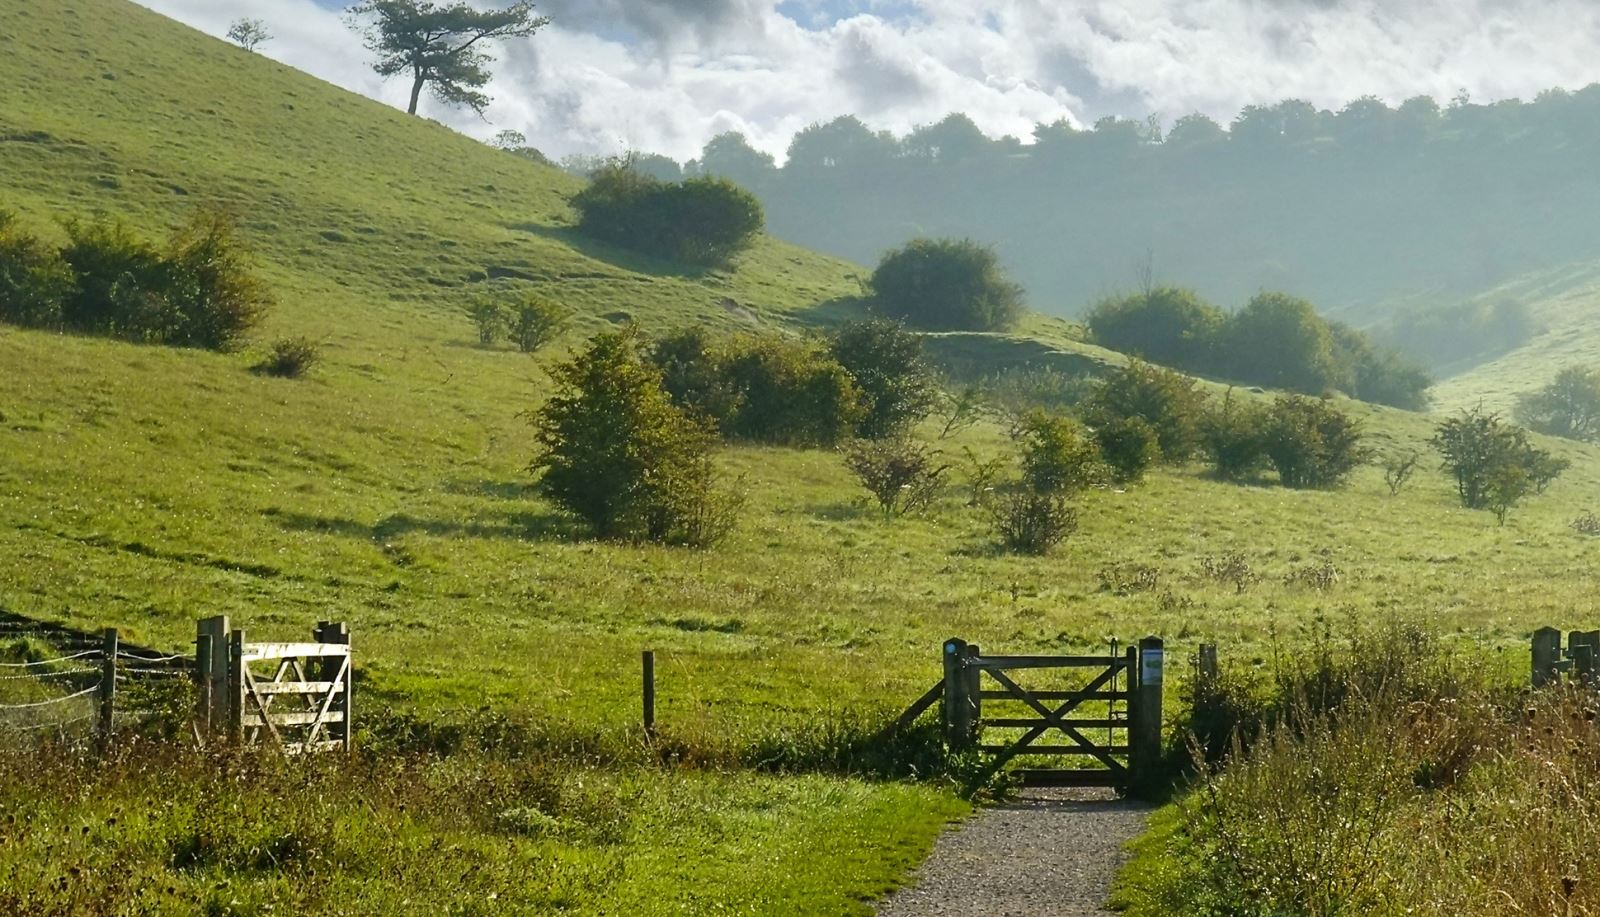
(607, 76)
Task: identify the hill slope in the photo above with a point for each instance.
(147, 487)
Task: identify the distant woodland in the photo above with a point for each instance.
(1370, 211)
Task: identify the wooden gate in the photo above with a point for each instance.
(1109, 721)
(304, 705)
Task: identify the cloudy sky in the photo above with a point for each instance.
(666, 75)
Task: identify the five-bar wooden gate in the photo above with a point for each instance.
(1110, 721)
(304, 705)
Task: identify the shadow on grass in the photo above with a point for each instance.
(516, 526)
(853, 511)
(614, 255)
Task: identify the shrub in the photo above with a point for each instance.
(1231, 437)
(535, 322)
(1169, 402)
(1568, 407)
(1310, 443)
(1031, 522)
(1128, 578)
(790, 392)
(1587, 524)
(617, 453)
(1493, 462)
(1056, 456)
(897, 385)
(694, 371)
(901, 474)
(1128, 446)
(290, 358)
(34, 280)
(198, 292)
(1397, 471)
(1279, 341)
(1167, 325)
(1376, 374)
(946, 285)
(489, 317)
(702, 221)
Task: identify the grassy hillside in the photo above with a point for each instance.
(1565, 303)
(146, 487)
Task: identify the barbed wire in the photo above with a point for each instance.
(25, 665)
(58, 674)
(52, 701)
(152, 659)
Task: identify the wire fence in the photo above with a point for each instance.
(97, 690)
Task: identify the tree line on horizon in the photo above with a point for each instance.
(1354, 208)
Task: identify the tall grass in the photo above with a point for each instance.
(1403, 782)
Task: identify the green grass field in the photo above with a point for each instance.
(147, 487)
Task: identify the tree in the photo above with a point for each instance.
(732, 157)
(616, 452)
(703, 221)
(1166, 325)
(1568, 407)
(34, 279)
(1278, 340)
(886, 361)
(438, 45)
(535, 322)
(1493, 462)
(249, 33)
(946, 285)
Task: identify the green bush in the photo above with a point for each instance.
(1057, 455)
(489, 318)
(1493, 463)
(791, 392)
(1169, 402)
(946, 285)
(1167, 325)
(290, 358)
(1568, 407)
(617, 453)
(1231, 438)
(897, 384)
(902, 474)
(535, 321)
(1031, 522)
(1279, 341)
(34, 280)
(702, 221)
(197, 292)
(1310, 443)
(1128, 446)
(694, 371)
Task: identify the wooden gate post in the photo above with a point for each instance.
(234, 696)
(957, 706)
(1144, 726)
(1207, 663)
(974, 691)
(1582, 648)
(1546, 656)
(107, 693)
(212, 671)
(648, 680)
(338, 632)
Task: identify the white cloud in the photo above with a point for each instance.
(665, 75)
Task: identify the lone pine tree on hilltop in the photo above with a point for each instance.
(438, 44)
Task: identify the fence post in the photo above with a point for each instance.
(202, 684)
(1145, 726)
(957, 708)
(1208, 671)
(107, 693)
(1546, 656)
(338, 632)
(1581, 648)
(974, 689)
(649, 683)
(235, 693)
(214, 671)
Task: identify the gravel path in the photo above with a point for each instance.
(1049, 852)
